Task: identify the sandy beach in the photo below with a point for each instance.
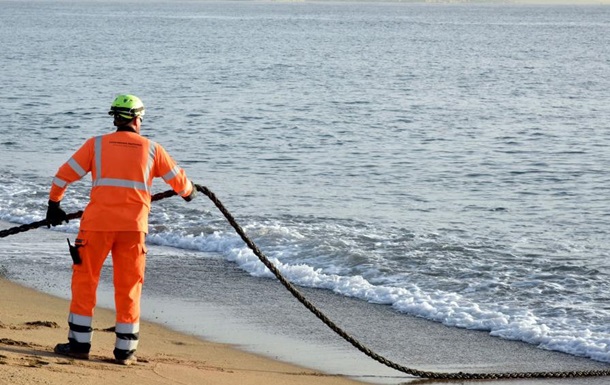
(31, 323)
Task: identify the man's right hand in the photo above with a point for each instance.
(193, 193)
(55, 215)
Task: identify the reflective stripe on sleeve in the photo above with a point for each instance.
(59, 182)
(76, 167)
(171, 174)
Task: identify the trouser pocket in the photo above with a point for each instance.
(78, 243)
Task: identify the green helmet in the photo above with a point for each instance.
(127, 107)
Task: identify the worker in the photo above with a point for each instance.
(122, 166)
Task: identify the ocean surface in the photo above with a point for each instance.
(450, 162)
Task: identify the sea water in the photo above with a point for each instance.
(448, 161)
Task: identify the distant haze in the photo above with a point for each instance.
(575, 2)
(565, 2)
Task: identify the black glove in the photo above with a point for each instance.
(55, 215)
(190, 197)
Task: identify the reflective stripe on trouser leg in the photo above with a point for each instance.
(127, 338)
(80, 333)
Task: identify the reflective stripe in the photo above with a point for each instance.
(76, 167)
(127, 328)
(60, 182)
(126, 344)
(126, 183)
(152, 149)
(97, 150)
(121, 183)
(127, 336)
(81, 320)
(83, 338)
(171, 174)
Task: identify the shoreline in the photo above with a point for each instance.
(32, 322)
(229, 327)
(226, 315)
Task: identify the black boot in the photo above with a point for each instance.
(125, 357)
(67, 350)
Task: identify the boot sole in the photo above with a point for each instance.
(129, 361)
(78, 356)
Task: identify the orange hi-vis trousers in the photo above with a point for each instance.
(128, 259)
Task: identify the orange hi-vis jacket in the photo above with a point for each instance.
(122, 165)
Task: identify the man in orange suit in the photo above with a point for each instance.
(122, 166)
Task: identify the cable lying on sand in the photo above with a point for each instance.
(357, 344)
